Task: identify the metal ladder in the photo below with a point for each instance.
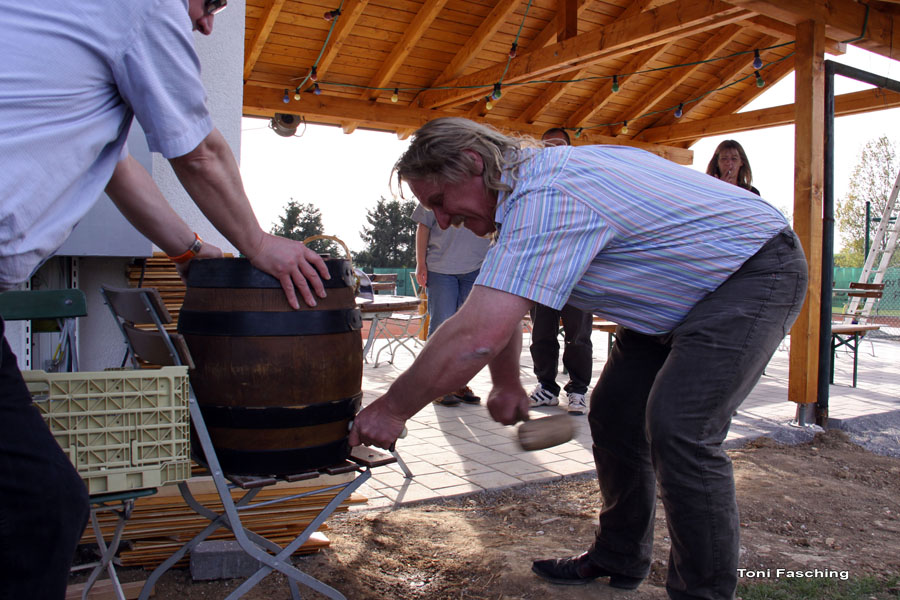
(888, 226)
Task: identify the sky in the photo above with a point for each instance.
(345, 175)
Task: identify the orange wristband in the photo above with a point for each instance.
(190, 253)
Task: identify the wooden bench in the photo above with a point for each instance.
(851, 330)
(384, 282)
(607, 327)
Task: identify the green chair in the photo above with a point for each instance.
(49, 311)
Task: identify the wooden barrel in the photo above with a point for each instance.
(277, 387)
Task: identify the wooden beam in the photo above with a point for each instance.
(385, 116)
(350, 13)
(845, 20)
(568, 19)
(478, 40)
(634, 34)
(263, 28)
(729, 70)
(604, 93)
(422, 21)
(551, 94)
(809, 175)
(845, 104)
(555, 90)
(780, 30)
(675, 77)
(547, 35)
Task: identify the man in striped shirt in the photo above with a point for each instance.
(704, 278)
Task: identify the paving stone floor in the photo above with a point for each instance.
(458, 450)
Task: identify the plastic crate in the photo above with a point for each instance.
(122, 430)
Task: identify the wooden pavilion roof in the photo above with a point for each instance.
(683, 68)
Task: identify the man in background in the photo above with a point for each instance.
(577, 349)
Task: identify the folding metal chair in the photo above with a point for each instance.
(49, 311)
(142, 306)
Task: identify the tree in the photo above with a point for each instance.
(390, 237)
(301, 221)
(872, 180)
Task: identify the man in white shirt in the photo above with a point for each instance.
(75, 74)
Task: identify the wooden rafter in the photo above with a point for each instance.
(604, 93)
(388, 116)
(730, 71)
(707, 49)
(844, 20)
(266, 22)
(350, 13)
(844, 104)
(779, 30)
(637, 33)
(476, 43)
(414, 32)
(559, 87)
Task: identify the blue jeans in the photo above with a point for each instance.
(43, 501)
(661, 410)
(446, 293)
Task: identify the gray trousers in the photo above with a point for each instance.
(661, 410)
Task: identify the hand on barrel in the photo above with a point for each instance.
(294, 265)
(508, 404)
(377, 426)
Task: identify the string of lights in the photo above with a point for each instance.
(496, 88)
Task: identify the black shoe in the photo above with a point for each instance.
(578, 570)
(466, 395)
(448, 400)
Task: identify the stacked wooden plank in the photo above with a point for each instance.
(159, 272)
(161, 524)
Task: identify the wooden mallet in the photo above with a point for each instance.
(545, 432)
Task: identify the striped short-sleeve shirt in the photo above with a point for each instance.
(621, 232)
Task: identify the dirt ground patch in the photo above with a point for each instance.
(827, 504)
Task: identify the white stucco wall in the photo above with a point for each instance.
(222, 60)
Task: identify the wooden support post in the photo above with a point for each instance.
(568, 19)
(809, 144)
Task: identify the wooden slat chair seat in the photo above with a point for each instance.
(152, 345)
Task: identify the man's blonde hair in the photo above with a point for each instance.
(437, 152)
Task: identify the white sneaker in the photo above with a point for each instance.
(541, 396)
(577, 405)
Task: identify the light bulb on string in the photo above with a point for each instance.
(615, 83)
(759, 80)
(316, 90)
(757, 61)
(578, 133)
(513, 50)
(297, 95)
(286, 98)
(496, 93)
(313, 75)
(396, 95)
(487, 103)
(331, 15)
(679, 111)
(625, 127)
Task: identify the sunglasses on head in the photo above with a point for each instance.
(214, 7)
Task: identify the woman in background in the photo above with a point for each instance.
(729, 163)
